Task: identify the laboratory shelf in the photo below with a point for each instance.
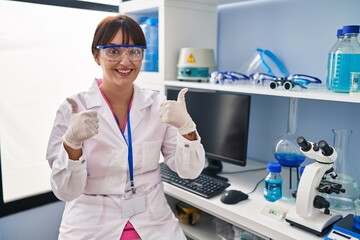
(315, 93)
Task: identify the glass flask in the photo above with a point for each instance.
(343, 169)
(286, 149)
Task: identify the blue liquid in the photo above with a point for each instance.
(330, 66)
(273, 189)
(344, 64)
(357, 222)
(289, 159)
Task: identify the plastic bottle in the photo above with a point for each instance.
(347, 59)
(273, 182)
(151, 58)
(331, 58)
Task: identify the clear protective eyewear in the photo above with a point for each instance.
(224, 77)
(289, 82)
(115, 52)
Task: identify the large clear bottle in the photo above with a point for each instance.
(345, 173)
(346, 59)
(273, 182)
(331, 58)
(151, 58)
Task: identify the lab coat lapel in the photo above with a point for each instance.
(140, 102)
(95, 100)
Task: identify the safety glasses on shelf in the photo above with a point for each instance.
(289, 82)
(227, 77)
(115, 52)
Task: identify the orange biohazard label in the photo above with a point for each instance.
(191, 59)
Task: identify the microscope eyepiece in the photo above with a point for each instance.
(305, 145)
(325, 148)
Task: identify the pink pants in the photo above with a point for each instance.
(129, 233)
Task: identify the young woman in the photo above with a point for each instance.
(106, 142)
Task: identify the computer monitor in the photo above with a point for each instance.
(222, 120)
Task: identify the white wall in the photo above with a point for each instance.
(45, 56)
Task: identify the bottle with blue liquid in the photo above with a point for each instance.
(346, 60)
(151, 32)
(273, 182)
(331, 58)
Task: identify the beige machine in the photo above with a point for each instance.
(195, 64)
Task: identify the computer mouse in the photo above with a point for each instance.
(233, 196)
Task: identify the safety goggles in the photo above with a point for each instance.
(289, 82)
(227, 77)
(115, 52)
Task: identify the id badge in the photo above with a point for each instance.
(133, 204)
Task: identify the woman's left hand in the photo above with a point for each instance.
(175, 114)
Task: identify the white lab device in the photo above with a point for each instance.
(311, 211)
(195, 64)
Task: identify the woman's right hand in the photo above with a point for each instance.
(83, 125)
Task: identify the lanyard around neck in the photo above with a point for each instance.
(129, 142)
(130, 153)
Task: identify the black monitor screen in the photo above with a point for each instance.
(222, 120)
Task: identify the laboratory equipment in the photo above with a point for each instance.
(354, 84)
(357, 214)
(286, 150)
(345, 174)
(347, 59)
(264, 61)
(195, 64)
(331, 58)
(344, 230)
(151, 57)
(204, 185)
(273, 182)
(311, 211)
(222, 120)
(218, 77)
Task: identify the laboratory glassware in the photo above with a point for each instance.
(273, 182)
(347, 59)
(343, 169)
(331, 57)
(286, 149)
(357, 214)
(151, 57)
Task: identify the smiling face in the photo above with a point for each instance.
(119, 29)
(122, 72)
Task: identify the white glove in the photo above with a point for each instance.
(82, 126)
(175, 113)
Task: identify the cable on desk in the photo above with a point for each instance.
(257, 184)
(244, 171)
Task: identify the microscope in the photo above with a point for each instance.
(311, 211)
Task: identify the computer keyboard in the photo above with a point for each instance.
(204, 185)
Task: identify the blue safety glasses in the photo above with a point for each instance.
(227, 77)
(115, 52)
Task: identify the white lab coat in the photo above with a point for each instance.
(94, 187)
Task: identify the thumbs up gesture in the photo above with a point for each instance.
(175, 113)
(82, 126)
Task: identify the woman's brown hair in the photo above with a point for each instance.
(109, 26)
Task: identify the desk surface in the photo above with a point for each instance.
(246, 214)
